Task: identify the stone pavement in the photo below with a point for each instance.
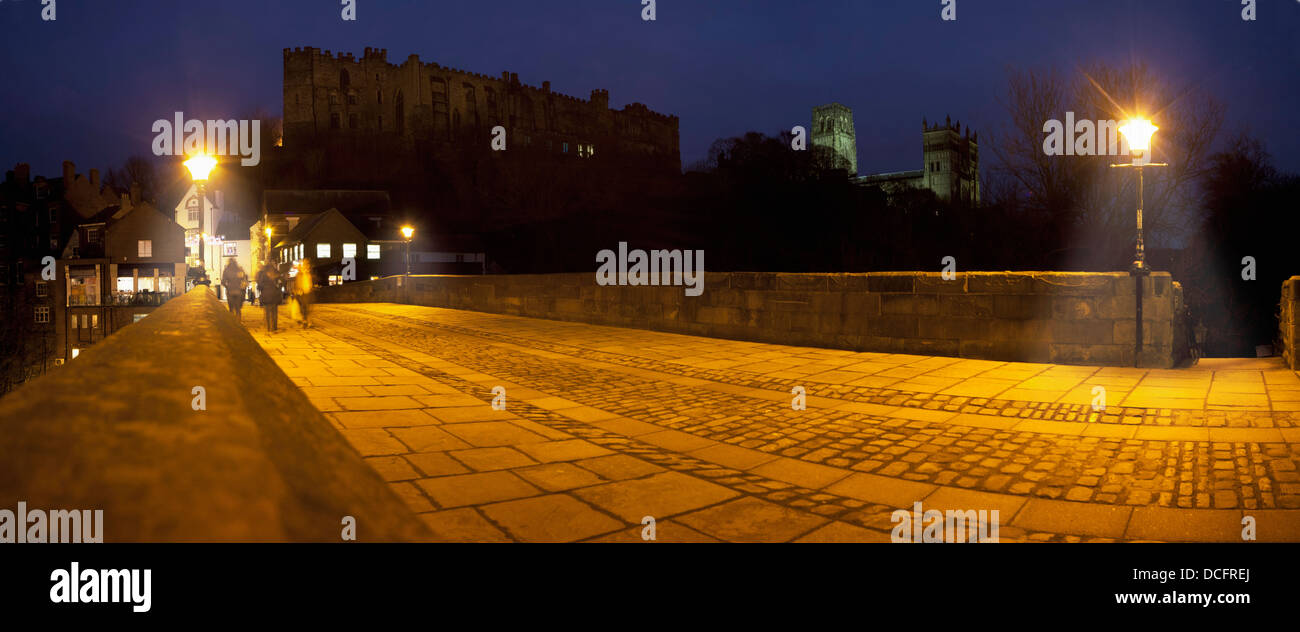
(604, 426)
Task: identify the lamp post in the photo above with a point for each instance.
(200, 166)
(266, 254)
(1137, 133)
(407, 232)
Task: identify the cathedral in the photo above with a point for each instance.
(950, 156)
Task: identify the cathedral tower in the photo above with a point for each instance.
(832, 134)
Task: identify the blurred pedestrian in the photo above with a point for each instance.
(268, 283)
(303, 287)
(235, 280)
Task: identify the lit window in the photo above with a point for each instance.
(372, 251)
(92, 235)
(76, 321)
(94, 321)
(76, 352)
(349, 250)
(323, 251)
(566, 149)
(43, 314)
(230, 250)
(144, 247)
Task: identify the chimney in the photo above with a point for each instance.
(135, 194)
(94, 179)
(68, 170)
(24, 172)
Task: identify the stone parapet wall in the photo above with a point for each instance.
(1287, 320)
(1059, 317)
(121, 429)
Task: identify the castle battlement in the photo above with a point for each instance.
(340, 94)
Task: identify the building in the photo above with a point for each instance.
(949, 156)
(118, 266)
(328, 226)
(37, 216)
(418, 106)
(833, 135)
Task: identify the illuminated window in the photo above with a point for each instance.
(43, 314)
(323, 251)
(192, 206)
(372, 251)
(76, 352)
(144, 247)
(349, 250)
(230, 250)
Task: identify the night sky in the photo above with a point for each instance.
(88, 86)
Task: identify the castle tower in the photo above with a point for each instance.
(832, 133)
(951, 161)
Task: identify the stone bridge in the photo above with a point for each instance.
(383, 410)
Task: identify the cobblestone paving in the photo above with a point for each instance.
(839, 473)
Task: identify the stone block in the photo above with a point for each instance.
(966, 305)
(1072, 283)
(934, 283)
(954, 328)
(1090, 332)
(893, 326)
(917, 304)
(891, 281)
(998, 283)
(1022, 307)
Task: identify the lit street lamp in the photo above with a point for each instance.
(200, 166)
(1137, 133)
(407, 232)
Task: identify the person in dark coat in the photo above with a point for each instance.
(268, 283)
(235, 280)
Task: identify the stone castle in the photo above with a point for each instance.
(950, 156)
(416, 104)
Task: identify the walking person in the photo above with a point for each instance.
(302, 291)
(268, 283)
(235, 280)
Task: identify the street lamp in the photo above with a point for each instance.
(1137, 133)
(200, 166)
(407, 232)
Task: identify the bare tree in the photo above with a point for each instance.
(1088, 206)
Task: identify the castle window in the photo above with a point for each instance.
(352, 121)
(352, 99)
(441, 115)
(43, 314)
(334, 98)
(471, 105)
(379, 96)
(344, 80)
(334, 120)
(565, 150)
(401, 114)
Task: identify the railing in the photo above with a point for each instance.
(142, 298)
(181, 428)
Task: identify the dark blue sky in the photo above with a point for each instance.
(88, 86)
